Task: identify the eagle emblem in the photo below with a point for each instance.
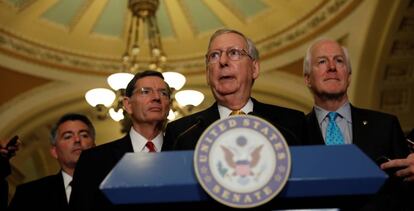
(240, 160)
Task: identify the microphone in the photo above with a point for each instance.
(281, 128)
(198, 122)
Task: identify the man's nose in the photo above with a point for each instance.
(156, 94)
(223, 59)
(332, 65)
(77, 138)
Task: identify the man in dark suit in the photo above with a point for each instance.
(6, 152)
(147, 102)
(327, 71)
(232, 66)
(410, 140)
(72, 134)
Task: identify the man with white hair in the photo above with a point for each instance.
(334, 120)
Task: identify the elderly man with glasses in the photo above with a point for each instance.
(232, 66)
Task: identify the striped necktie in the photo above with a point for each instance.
(333, 133)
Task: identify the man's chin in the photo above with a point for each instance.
(331, 96)
(226, 91)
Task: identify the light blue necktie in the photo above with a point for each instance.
(333, 133)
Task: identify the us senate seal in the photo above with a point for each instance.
(242, 161)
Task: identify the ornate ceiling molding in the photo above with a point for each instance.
(323, 16)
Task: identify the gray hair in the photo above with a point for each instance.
(251, 48)
(308, 56)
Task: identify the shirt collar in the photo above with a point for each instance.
(344, 111)
(225, 112)
(139, 141)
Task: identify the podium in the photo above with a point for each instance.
(317, 172)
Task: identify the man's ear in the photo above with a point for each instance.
(127, 105)
(256, 69)
(207, 77)
(53, 152)
(307, 80)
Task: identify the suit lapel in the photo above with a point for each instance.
(360, 127)
(211, 115)
(123, 146)
(258, 109)
(315, 133)
(189, 140)
(60, 190)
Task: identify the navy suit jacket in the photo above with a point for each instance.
(45, 193)
(184, 133)
(376, 134)
(93, 166)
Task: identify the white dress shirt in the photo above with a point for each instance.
(139, 141)
(225, 112)
(66, 180)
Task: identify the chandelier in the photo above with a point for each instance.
(109, 102)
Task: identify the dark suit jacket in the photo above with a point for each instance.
(4, 186)
(184, 133)
(376, 134)
(93, 166)
(45, 193)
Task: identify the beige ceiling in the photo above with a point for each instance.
(53, 51)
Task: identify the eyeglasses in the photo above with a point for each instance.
(233, 54)
(147, 91)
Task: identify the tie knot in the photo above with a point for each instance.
(237, 112)
(150, 146)
(332, 116)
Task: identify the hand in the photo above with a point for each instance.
(405, 165)
(8, 150)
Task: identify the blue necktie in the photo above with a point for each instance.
(333, 133)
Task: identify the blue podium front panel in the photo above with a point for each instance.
(169, 176)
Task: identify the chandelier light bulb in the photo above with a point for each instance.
(156, 52)
(152, 66)
(135, 50)
(189, 97)
(116, 115)
(119, 81)
(163, 58)
(100, 96)
(134, 68)
(174, 79)
(125, 58)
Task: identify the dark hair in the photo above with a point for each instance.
(131, 85)
(71, 117)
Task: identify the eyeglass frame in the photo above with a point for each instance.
(162, 92)
(242, 52)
